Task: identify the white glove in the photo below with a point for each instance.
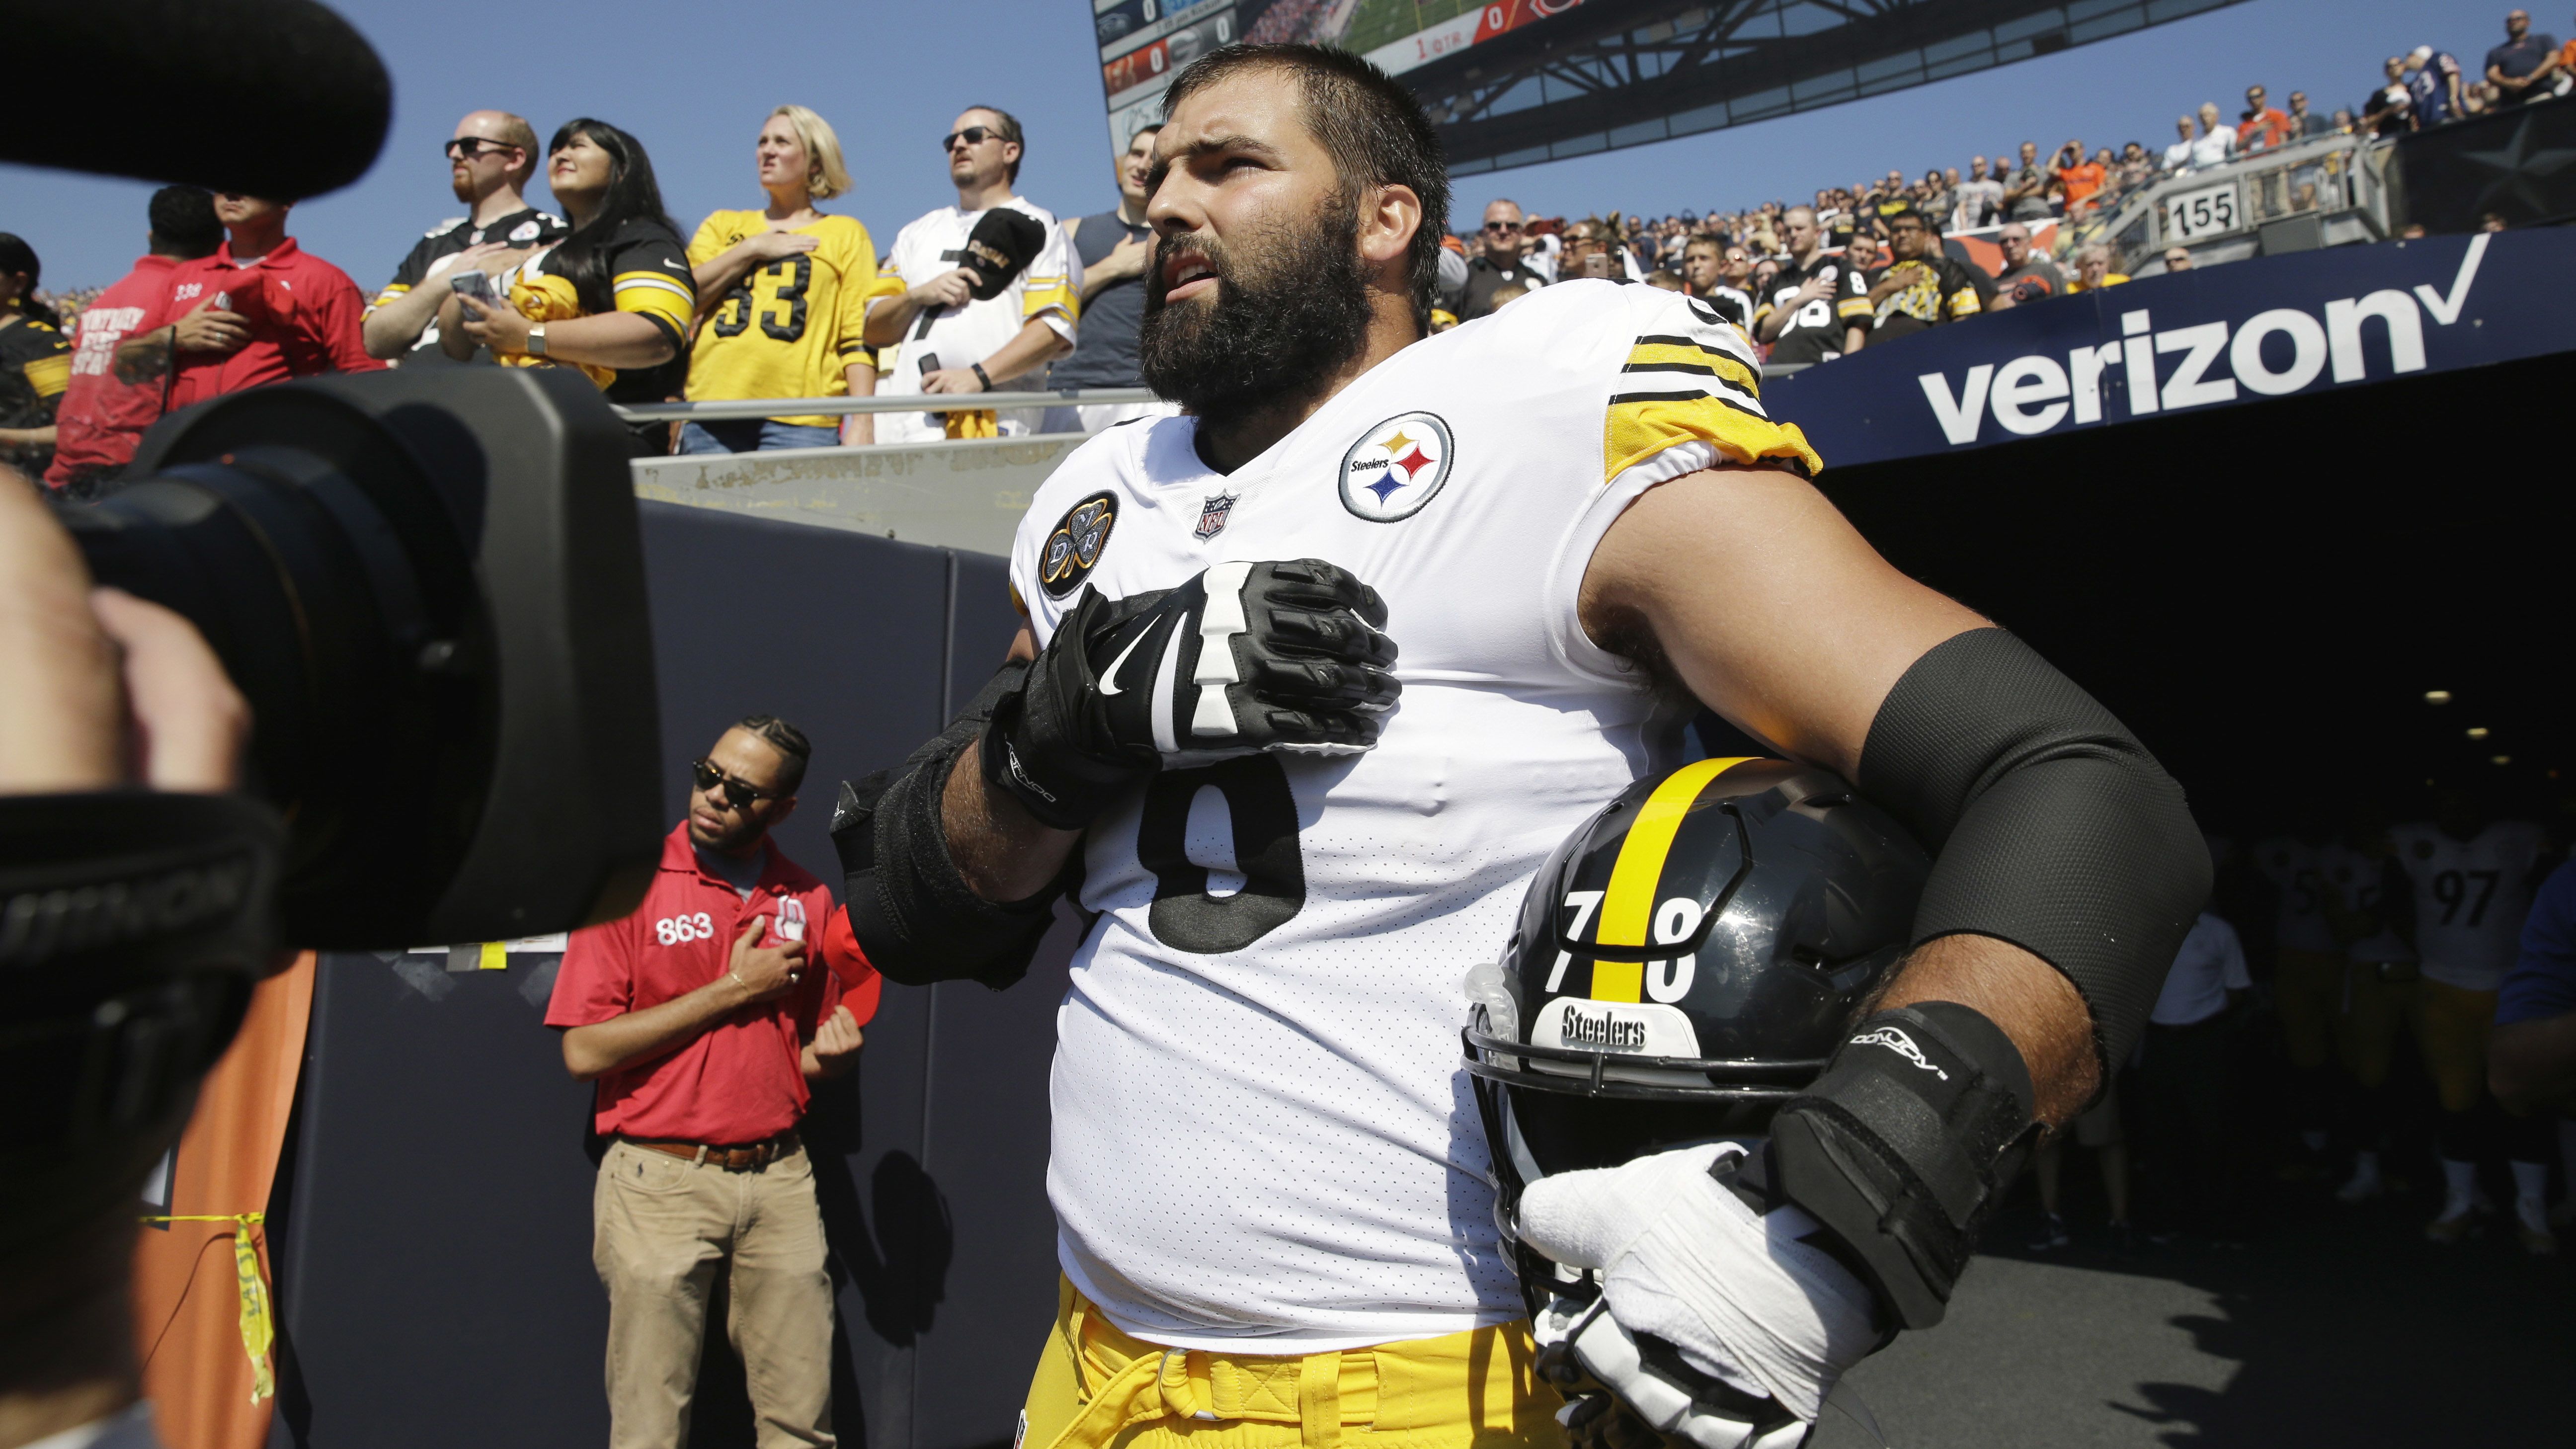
(1684, 1259)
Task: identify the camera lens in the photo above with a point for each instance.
(318, 555)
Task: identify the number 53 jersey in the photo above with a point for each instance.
(1261, 1129)
(789, 328)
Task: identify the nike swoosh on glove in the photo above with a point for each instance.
(1286, 657)
(1684, 1259)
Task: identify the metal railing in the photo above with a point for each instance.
(945, 402)
(2226, 207)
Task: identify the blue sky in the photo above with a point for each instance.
(694, 82)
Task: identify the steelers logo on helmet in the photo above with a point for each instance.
(1396, 467)
(1075, 544)
(1683, 965)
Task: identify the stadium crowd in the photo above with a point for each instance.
(788, 300)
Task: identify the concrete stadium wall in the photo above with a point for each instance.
(431, 1230)
(961, 495)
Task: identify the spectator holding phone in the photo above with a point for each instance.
(614, 298)
(783, 296)
(2078, 177)
(489, 162)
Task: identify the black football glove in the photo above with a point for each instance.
(1246, 657)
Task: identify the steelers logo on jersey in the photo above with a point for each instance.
(1075, 545)
(1396, 467)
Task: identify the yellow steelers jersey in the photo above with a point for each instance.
(789, 328)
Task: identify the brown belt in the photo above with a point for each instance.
(731, 1159)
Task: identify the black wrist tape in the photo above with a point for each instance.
(1905, 1144)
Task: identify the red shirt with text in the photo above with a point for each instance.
(741, 1079)
(304, 317)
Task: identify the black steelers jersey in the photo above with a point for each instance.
(1814, 332)
(35, 367)
(526, 227)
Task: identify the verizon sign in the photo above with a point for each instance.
(2226, 336)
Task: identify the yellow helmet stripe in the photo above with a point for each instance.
(1629, 904)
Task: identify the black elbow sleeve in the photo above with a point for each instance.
(2053, 827)
(913, 914)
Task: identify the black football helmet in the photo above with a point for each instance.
(1682, 967)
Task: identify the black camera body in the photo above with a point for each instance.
(430, 587)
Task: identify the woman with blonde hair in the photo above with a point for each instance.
(783, 292)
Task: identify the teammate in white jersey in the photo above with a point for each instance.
(1317, 675)
(2473, 877)
(930, 332)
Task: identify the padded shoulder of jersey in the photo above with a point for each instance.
(445, 225)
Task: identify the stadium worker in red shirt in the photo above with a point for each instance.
(103, 412)
(703, 1017)
(265, 310)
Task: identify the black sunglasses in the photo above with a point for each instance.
(972, 136)
(736, 794)
(1502, 226)
(473, 146)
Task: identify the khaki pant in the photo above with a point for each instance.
(664, 1228)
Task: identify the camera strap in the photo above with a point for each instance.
(110, 886)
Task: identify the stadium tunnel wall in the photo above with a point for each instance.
(431, 1232)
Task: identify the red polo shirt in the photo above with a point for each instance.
(102, 417)
(304, 316)
(741, 1080)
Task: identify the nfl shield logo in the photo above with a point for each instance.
(1212, 515)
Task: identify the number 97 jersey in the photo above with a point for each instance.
(2470, 897)
(1262, 1130)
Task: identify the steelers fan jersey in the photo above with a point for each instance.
(649, 276)
(1814, 333)
(954, 337)
(526, 227)
(789, 328)
(2290, 864)
(35, 368)
(2470, 897)
(1263, 1135)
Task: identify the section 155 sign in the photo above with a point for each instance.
(2217, 337)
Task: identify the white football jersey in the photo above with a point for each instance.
(957, 336)
(2470, 898)
(1262, 1129)
(2290, 864)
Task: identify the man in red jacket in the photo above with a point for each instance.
(261, 309)
(103, 413)
(702, 1018)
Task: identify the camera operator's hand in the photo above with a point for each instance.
(104, 688)
(766, 972)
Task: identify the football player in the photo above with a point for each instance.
(2307, 976)
(2363, 898)
(2473, 877)
(1315, 678)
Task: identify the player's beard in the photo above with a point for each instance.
(1291, 308)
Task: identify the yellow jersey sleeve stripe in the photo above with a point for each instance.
(1681, 354)
(1851, 307)
(391, 291)
(1049, 293)
(1964, 303)
(1629, 904)
(1641, 425)
(50, 375)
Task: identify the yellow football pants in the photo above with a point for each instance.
(1097, 1388)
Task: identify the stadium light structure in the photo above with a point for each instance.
(1605, 74)
(1515, 82)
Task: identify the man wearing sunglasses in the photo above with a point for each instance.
(932, 334)
(489, 159)
(1498, 263)
(703, 1017)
